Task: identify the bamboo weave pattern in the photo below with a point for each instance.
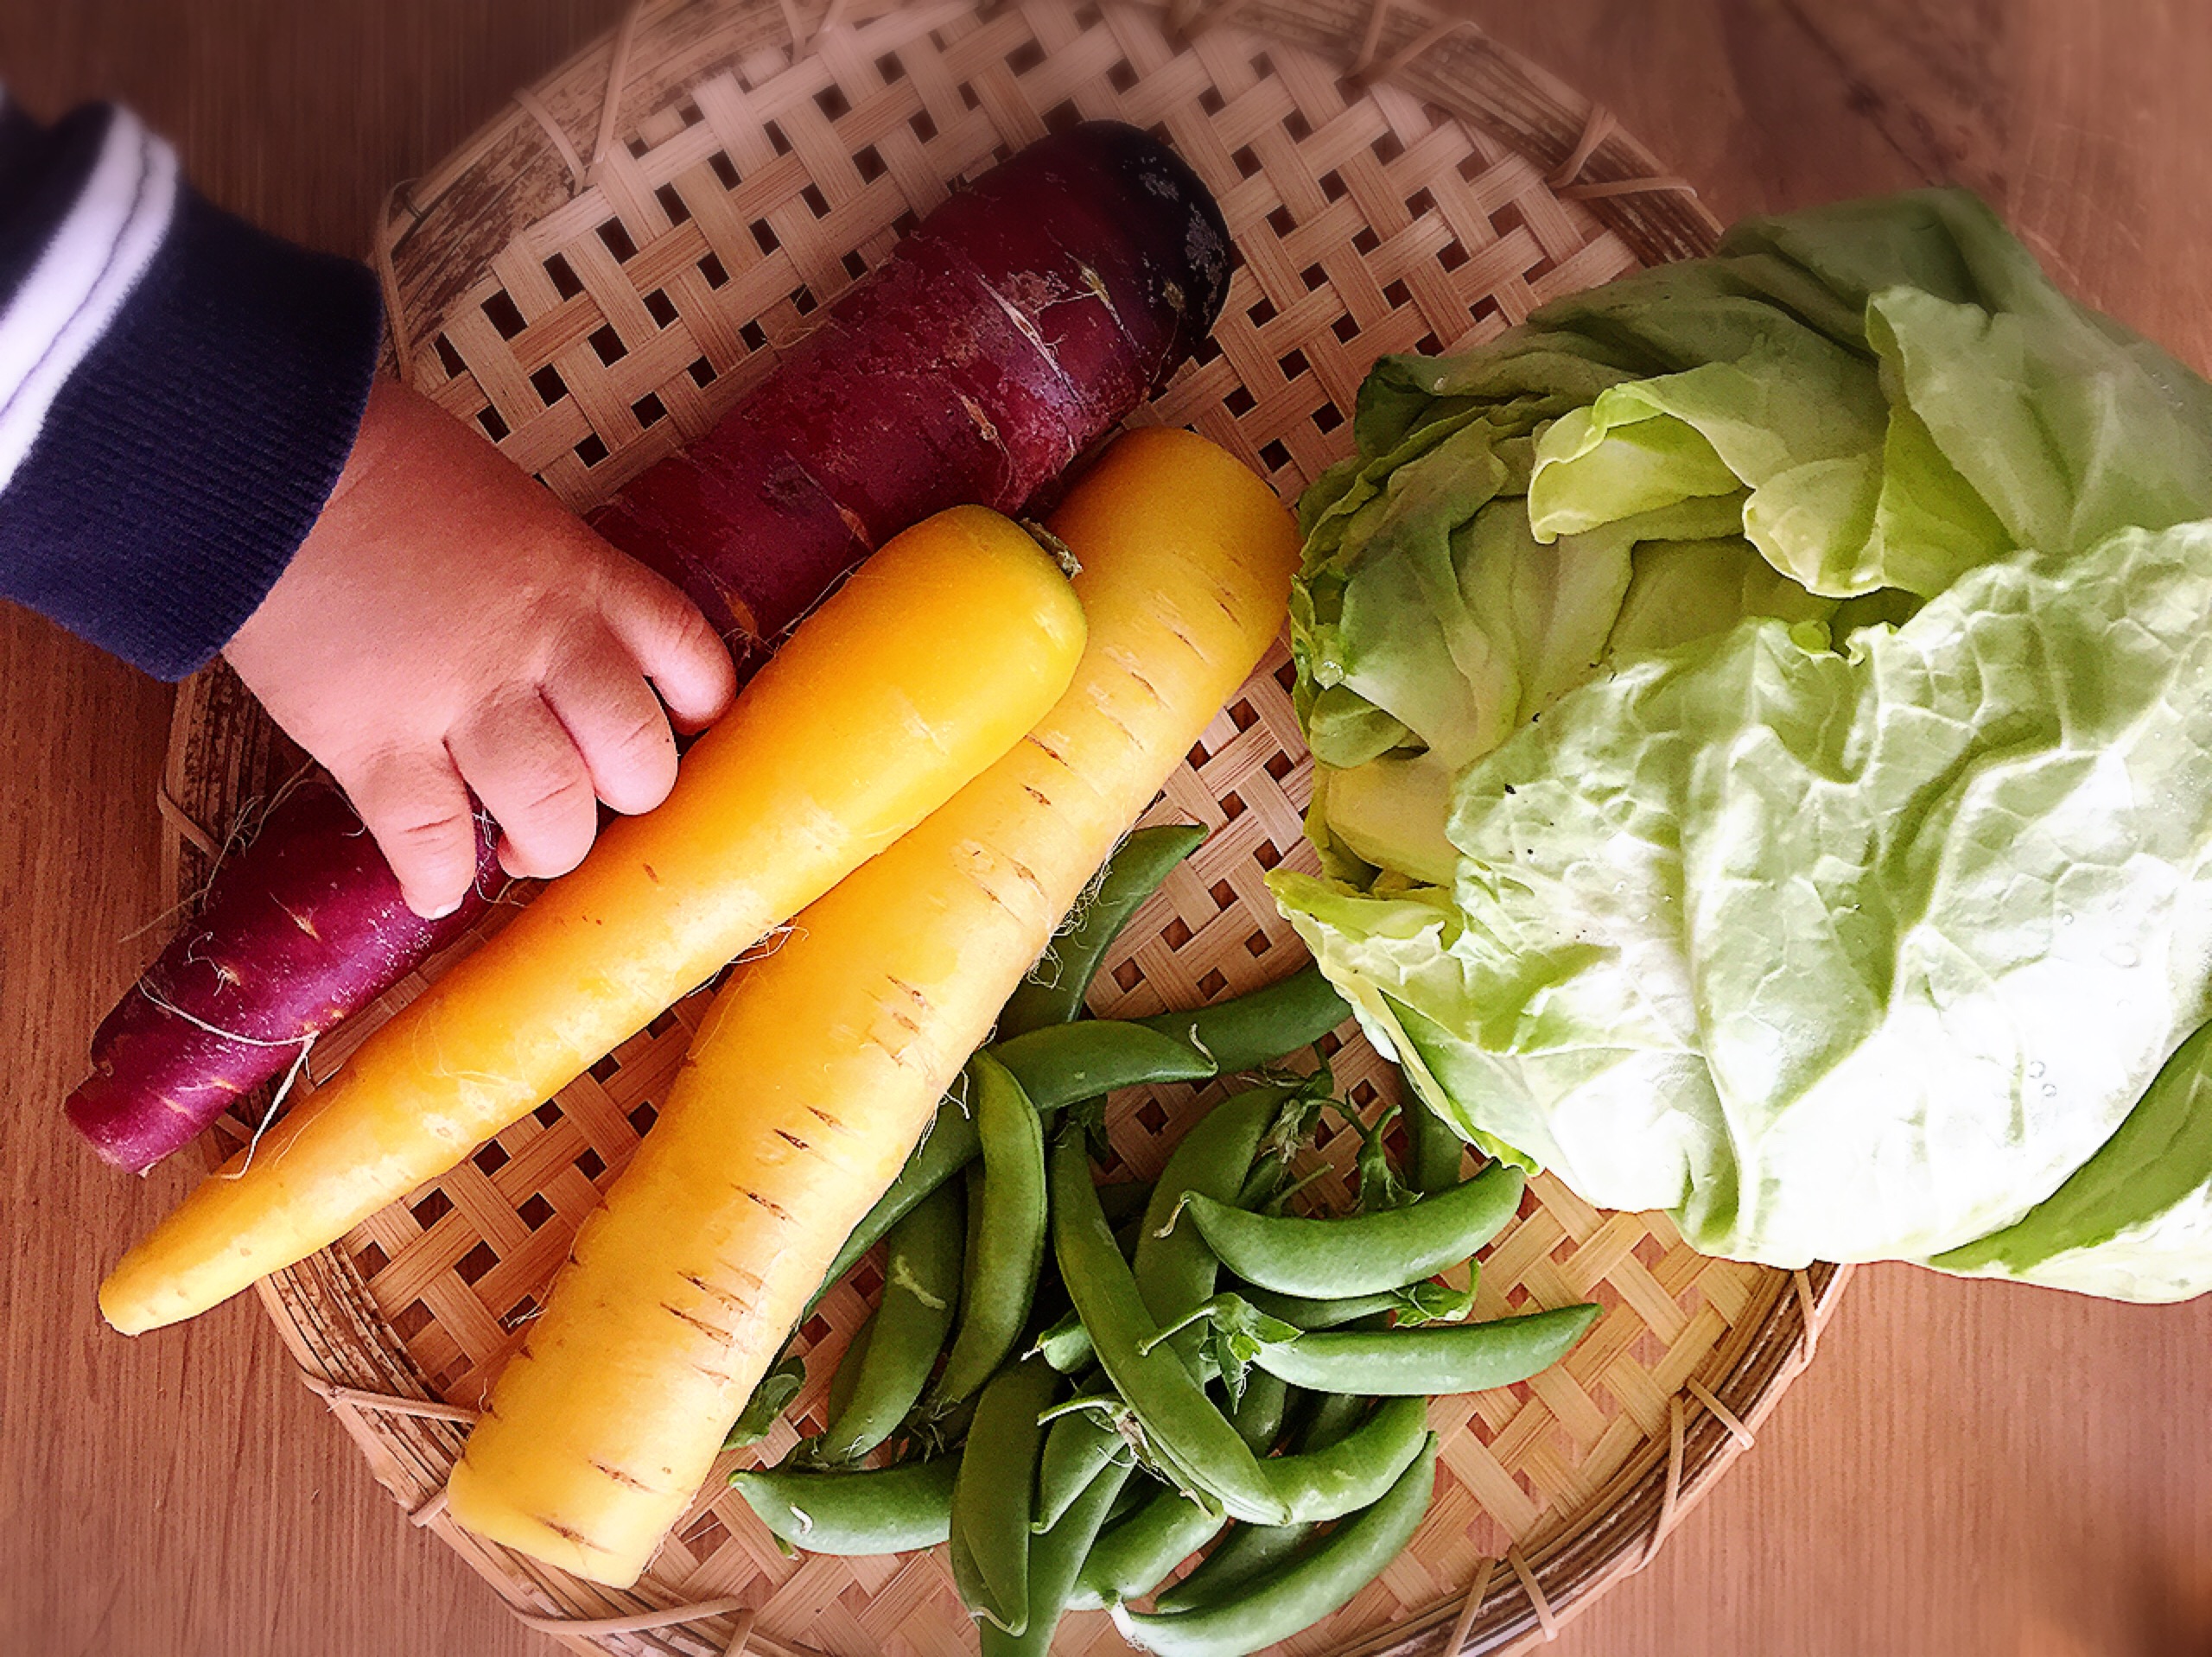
(592, 291)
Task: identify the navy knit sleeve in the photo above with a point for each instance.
(178, 392)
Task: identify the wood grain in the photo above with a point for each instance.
(1970, 1468)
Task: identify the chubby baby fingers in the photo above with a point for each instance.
(414, 804)
(524, 766)
(618, 724)
(670, 641)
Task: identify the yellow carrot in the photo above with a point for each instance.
(818, 1065)
(930, 663)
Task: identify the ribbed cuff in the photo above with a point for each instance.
(185, 460)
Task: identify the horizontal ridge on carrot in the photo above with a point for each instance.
(927, 666)
(819, 1065)
(1018, 322)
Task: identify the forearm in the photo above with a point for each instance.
(178, 392)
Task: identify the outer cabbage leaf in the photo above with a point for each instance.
(2135, 1220)
(1717, 806)
(1845, 957)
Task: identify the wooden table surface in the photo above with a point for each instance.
(1970, 1469)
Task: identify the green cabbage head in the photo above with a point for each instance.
(1762, 716)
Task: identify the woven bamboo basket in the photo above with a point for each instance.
(591, 282)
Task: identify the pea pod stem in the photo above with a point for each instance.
(892, 1510)
(1178, 1421)
(1007, 1227)
(1296, 1596)
(1053, 992)
(1359, 1253)
(1278, 1198)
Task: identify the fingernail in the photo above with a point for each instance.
(439, 914)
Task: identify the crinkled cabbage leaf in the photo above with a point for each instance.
(1763, 720)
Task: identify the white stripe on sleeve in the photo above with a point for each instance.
(80, 280)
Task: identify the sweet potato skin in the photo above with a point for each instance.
(300, 931)
(1018, 324)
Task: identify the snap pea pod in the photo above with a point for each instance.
(1440, 1358)
(1065, 1345)
(1320, 1484)
(990, 1498)
(1126, 1235)
(1057, 1067)
(1066, 1063)
(1302, 1313)
(1134, 1557)
(1007, 1223)
(1056, 1558)
(890, 1511)
(1077, 1447)
(846, 1376)
(1258, 1415)
(1174, 1268)
(1261, 1026)
(1124, 1199)
(1180, 1422)
(1417, 1303)
(1053, 992)
(1261, 1185)
(1246, 1554)
(1250, 1552)
(1334, 1417)
(1360, 1253)
(967, 1575)
(1298, 1595)
(1437, 1152)
(921, 1285)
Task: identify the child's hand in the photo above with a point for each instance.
(446, 623)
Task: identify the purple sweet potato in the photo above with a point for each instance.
(1017, 326)
(1022, 319)
(303, 929)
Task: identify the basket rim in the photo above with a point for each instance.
(1416, 44)
(323, 1307)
